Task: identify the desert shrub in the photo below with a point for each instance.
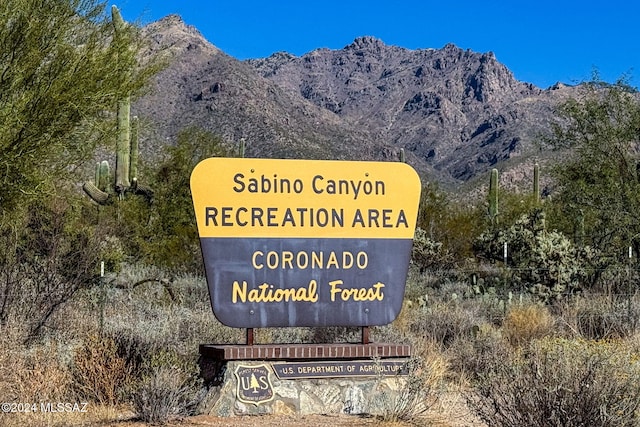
(557, 382)
(418, 391)
(593, 316)
(443, 323)
(112, 253)
(32, 373)
(46, 257)
(142, 324)
(422, 286)
(100, 373)
(295, 335)
(144, 320)
(450, 223)
(474, 356)
(146, 330)
(524, 323)
(166, 391)
(335, 334)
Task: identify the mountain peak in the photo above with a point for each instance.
(174, 22)
(366, 42)
(172, 34)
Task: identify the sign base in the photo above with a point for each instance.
(302, 379)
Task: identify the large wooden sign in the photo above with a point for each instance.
(305, 243)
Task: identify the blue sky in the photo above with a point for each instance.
(541, 42)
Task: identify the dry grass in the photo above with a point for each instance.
(101, 375)
(560, 382)
(525, 323)
(420, 390)
(602, 316)
(93, 415)
(31, 374)
(457, 342)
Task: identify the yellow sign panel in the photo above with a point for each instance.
(236, 197)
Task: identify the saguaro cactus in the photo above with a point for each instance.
(536, 184)
(126, 174)
(123, 146)
(579, 229)
(134, 153)
(493, 197)
(103, 173)
(242, 147)
(127, 146)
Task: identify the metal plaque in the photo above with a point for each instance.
(253, 384)
(339, 368)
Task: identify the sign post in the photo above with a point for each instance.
(305, 243)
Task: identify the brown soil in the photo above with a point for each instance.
(269, 421)
(450, 412)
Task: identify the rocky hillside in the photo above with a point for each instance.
(456, 112)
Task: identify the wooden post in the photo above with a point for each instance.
(365, 335)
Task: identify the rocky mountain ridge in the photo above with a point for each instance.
(457, 113)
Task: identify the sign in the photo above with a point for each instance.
(253, 384)
(334, 369)
(305, 243)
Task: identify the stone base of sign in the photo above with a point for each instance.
(303, 379)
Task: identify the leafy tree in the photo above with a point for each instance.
(165, 233)
(599, 181)
(445, 226)
(60, 72)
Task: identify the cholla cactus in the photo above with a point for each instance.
(545, 263)
(429, 254)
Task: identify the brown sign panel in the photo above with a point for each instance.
(305, 243)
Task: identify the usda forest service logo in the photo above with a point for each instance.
(254, 385)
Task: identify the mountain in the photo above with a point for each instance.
(206, 88)
(457, 113)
